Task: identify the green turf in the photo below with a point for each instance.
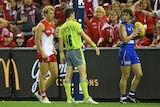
(64, 104)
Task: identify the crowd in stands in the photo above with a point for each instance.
(18, 20)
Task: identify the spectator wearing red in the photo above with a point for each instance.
(4, 13)
(59, 12)
(31, 41)
(13, 8)
(9, 40)
(89, 6)
(109, 35)
(148, 22)
(97, 22)
(107, 8)
(20, 40)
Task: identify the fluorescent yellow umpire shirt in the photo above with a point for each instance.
(69, 32)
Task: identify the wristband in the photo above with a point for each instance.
(93, 44)
(61, 55)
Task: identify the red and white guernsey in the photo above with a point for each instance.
(47, 37)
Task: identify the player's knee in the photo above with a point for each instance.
(139, 75)
(43, 74)
(125, 76)
(83, 77)
(42, 77)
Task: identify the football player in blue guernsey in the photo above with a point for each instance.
(127, 57)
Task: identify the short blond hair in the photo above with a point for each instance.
(46, 8)
(99, 8)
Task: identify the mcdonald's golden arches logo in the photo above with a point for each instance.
(6, 72)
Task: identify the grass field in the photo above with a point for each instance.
(64, 104)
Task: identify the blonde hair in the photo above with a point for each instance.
(46, 8)
(99, 8)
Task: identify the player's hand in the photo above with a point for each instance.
(136, 31)
(97, 51)
(55, 52)
(44, 56)
(63, 60)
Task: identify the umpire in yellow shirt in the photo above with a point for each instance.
(70, 34)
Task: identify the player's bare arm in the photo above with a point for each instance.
(86, 38)
(123, 34)
(38, 35)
